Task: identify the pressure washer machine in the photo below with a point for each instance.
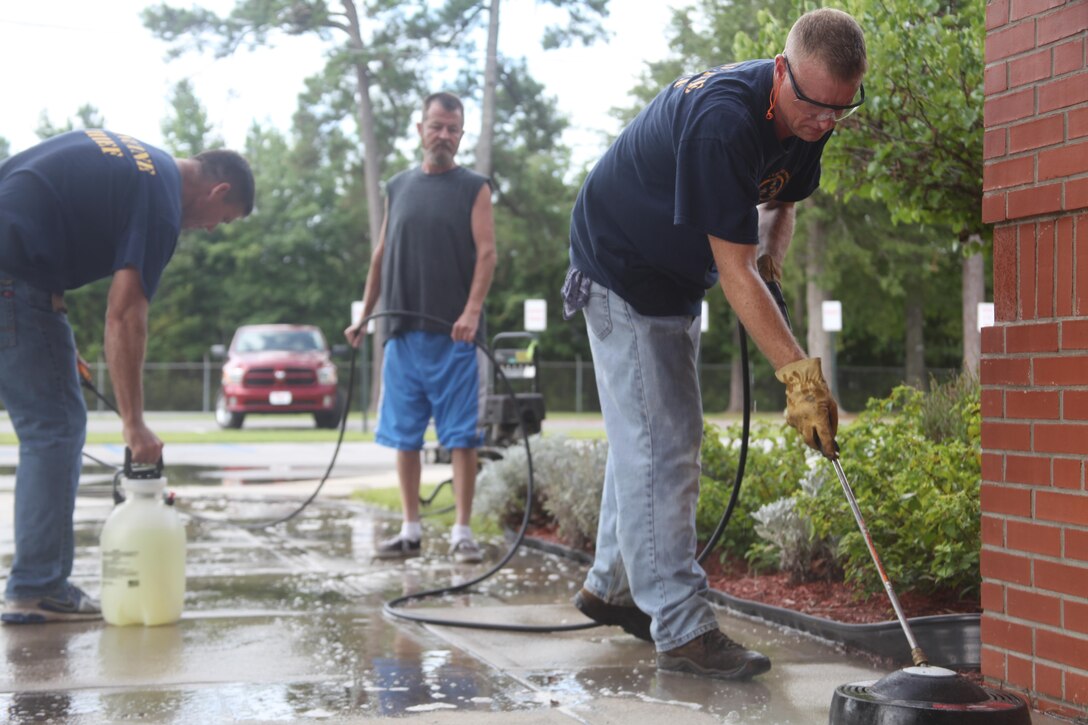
(505, 419)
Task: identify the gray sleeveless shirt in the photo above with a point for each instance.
(430, 255)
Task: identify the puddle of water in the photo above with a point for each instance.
(293, 612)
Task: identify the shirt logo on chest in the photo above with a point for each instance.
(770, 187)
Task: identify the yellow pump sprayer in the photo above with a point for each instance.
(143, 554)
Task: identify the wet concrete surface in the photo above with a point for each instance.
(286, 624)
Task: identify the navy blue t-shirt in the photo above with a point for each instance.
(80, 206)
(696, 161)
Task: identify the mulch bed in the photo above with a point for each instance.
(834, 600)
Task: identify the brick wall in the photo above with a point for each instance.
(1035, 359)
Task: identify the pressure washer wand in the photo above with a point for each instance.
(916, 653)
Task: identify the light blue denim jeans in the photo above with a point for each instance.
(39, 387)
(653, 416)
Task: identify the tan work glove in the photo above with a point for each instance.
(809, 405)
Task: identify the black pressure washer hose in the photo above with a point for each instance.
(392, 607)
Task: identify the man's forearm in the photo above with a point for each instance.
(750, 299)
(481, 281)
(126, 343)
(776, 222)
(373, 288)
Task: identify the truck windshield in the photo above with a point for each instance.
(293, 341)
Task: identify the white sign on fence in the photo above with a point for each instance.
(832, 314)
(705, 324)
(536, 315)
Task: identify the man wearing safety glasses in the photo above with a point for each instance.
(699, 189)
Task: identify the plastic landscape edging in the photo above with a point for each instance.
(949, 640)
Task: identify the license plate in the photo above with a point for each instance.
(279, 397)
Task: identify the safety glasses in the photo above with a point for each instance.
(829, 110)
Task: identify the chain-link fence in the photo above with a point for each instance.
(566, 386)
(571, 387)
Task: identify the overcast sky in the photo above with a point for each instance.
(61, 54)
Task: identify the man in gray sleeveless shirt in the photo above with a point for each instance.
(435, 258)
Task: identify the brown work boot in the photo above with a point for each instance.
(631, 619)
(714, 655)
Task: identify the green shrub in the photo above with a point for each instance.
(913, 461)
(788, 539)
(919, 496)
(776, 462)
(945, 414)
(568, 476)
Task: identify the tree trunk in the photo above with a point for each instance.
(818, 342)
(916, 345)
(372, 171)
(974, 292)
(491, 81)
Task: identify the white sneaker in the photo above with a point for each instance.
(398, 547)
(466, 551)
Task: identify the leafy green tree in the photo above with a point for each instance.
(924, 155)
(87, 116)
(190, 298)
(849, 242)
(532, 209)
(878, 270)
(381, 54)
(455, 24)
(700, 36)
(916, 146)
(300, 254)
(5, 148)
(188, 131)
(379, 50)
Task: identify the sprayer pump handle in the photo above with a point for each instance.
(141, 470)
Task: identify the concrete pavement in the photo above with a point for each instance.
(286, 625)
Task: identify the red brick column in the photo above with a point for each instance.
(1035, 359)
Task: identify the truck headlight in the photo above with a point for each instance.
(326, 375)
(233, 375)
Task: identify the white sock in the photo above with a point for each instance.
(411, 530)
(460, 533)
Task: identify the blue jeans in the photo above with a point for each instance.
(653, 416)
(39, 387)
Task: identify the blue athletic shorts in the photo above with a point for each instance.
(427, 374)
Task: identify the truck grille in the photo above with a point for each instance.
(291, 377)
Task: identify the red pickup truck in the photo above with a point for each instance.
(278, 369)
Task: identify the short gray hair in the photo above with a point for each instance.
(448, 101)
(832, 38)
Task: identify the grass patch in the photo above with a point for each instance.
(389, 500)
